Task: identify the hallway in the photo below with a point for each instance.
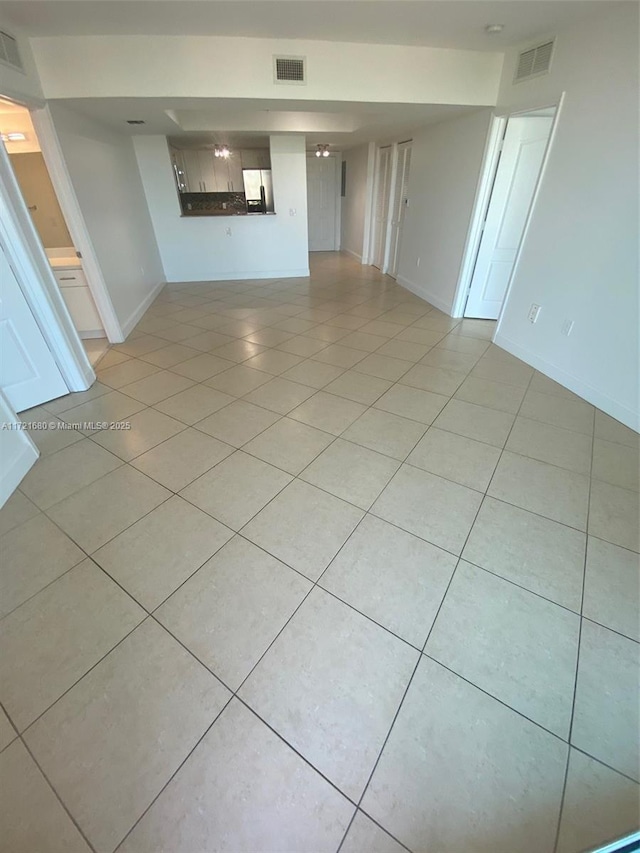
(353, 579)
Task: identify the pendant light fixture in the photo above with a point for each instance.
(322, 150)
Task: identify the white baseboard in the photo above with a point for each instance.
(12, 475)
(303, 272)
(353, 254)
(90, 335)
(426, 294)
(582, 389)
(136, 315)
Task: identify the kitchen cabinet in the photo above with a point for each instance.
(77, 296)
(192, 170)
(208, 172)
(255, 158)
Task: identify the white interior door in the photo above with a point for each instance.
(29, 374)
(321, 203)
(400, 200)
(381, 206)
(516, 178)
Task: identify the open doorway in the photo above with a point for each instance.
(323, 202)
(512, 175)
(27, 162)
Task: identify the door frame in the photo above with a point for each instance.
(337, 220)
(373, 228)
(35, 278)
(396, 176)
(491, 157)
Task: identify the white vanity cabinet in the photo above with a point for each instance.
(79, 301)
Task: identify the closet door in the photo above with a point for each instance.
(383, 188)
(400, 201)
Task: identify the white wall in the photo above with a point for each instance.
(198, 248)
(354, 202)
(445, 167)
(189, 66)
(579, 259)
(105, 177)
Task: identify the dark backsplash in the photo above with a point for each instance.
(213, 204)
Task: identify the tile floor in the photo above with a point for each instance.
(355, 579)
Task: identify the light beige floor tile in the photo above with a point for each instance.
(304, 527)
(611, 587)
(113, 357)
(609, 429)
(547, 443)
(433, 379)
(280, 395)
(16, 511)
(616, 464)
(365, 835)
(33, 555)
(539, 554)
(471, 346)
(477, 422)
(599, 806)
(568, 414)
(614, 515)
(57, 476)
(391, 576)
(194, 404)
(7, 733)
(329, 334)
(157, 387)
(237, 423)
(177, 332)
(351, 472)
(295, 325)
(140, 345)
(544, 385)
(511, 643)
(448, 359)
(108, 774)
(202, 367)
(269, 337)
(386, 433)
(238, 380)
(383, 367)
(383, 328)
(123, 374)
(406, 350)
(437, 322)
(155, 555)
(108, 408)
(51, 434)
(346, 321)
(57, 636)
(412, 403)
(456, 458)
(358, 387)
(498, 369)
(416, 335)
(545, 489)
(273, 361)
(333, 708)
(238, 351)
(32, 818)
(236, 489)
(462, 772)
(606, 720)
(340, 356)
(328, 412)
(493, 395)
(70, 401)
(98, 512)
(428, 506)
(243, 789)
(230, 611)
(313, 373)
(179, 460)
(206, 341)
(289, 445)
(147, 429)
(302, 345)
(363, 341)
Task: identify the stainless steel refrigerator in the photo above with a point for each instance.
(258, 190)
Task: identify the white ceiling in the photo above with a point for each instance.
(435, 23)
(249, 122)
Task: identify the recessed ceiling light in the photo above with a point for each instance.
(135, 121)
(13, 137)
(493, 29)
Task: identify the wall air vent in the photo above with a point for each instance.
(9, 53)
(534, 61)
(290, 70)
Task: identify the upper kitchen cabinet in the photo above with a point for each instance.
(255, 158)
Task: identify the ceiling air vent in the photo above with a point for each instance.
(289, 69)
(534, 61)
(9, 51)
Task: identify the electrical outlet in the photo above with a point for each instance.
(534, 311)
(567, 327)
(228, 232)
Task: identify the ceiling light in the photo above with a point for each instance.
(322, 150)
(493, 29)
(13, 137)
(221, 151)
